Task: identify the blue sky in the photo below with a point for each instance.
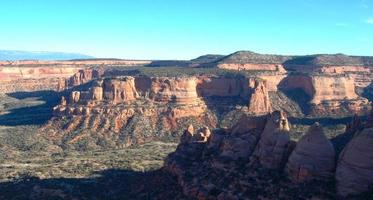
(184, 29)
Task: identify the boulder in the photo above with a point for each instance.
(354, 173)
(313, 157)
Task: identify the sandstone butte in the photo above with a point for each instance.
(312, 159)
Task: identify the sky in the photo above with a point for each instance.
(185, 29)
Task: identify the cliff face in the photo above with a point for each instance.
(174, 90)
(328, 94)
(122, 104)
(14, 79)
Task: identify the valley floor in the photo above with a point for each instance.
(133, 173)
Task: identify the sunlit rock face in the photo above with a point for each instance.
(328, 94)
(313, 157)
(27, 79)
(355, 165)
(260, 103)
(120, 90)
(175, 90)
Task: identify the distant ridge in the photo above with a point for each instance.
(242, 57)
(40, 55)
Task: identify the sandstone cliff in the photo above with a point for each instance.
(15, 79)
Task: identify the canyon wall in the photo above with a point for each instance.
(15, 79)
(124, 106)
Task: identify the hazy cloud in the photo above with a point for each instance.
(369, 21)
(364, 4)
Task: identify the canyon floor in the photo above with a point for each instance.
(30, 166)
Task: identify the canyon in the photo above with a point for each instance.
(247, 125)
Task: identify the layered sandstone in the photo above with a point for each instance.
(328, 94)
(15, 79)
(313, 157)
(177, 90)
(120, 90)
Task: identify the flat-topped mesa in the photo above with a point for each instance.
(246, 60)
(175, 90)
(274, 145)
(312, 158)
(260, 103)
(354, 172)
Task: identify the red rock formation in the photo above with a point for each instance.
(84, 76)
(74, 97)
(97, 93)
(176, 90)
(355, 165)
(33, 78)
(329, 94)
(313, 157)
(120, 90)
(274, 145)
(259, 102)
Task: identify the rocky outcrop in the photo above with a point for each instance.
(84, 76)
(355, 165)
(259, 102)
(313, 157)
(120, 90)
(174, 90)
(274, 145)
(225, 166)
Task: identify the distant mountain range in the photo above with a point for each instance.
(40, 55)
